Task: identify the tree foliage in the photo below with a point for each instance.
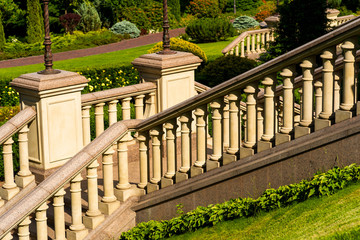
(174, 6)
(2, 34)
(35, 22)
(90, 19)
(13, 18)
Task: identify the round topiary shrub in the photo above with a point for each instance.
(125, 27)
(210, 30)
(224, 68)
(181, 45)
(245, 22)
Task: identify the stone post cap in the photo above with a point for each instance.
(332, 13)
(40, 82)
(162, 62)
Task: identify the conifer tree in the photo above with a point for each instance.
(2, 34)
(35, 21)
(175, 8)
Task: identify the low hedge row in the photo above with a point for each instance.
(322, 184)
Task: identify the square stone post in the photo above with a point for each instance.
(173, 74)
(56, 134)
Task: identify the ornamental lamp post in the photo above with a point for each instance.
(166, 37)
(48, 57)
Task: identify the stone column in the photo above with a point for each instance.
(173, 74)
(56, 134)
(168, 178)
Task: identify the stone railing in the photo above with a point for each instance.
(249, 42)
(19, 124)
(343, 19)
(324, 102)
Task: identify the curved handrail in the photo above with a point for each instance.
(277, 64)
(47, 188)
(16, 123)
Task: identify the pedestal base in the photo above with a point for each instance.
(341, 115)
(282, 138)
(245, 152)
(76, 235)
(123, 195)
(262, 146)
(229, 158)
(301, 131)
(180, 176)
(93, 222)
(194, 171)
(152, 187)
(8, 193)
(109, 208)
(321, 123)
(210, 164)
(165, 182)
(24, 181)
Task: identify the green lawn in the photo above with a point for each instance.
(118, 58)
(334, 217)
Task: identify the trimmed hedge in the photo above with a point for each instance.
(178, 44)
(322, 184)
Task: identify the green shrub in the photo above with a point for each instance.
(8, 95)
(245, 22)
(174, 6)
(224, 68)
(35, 22)
(243, 5)
(2, 34)
(204, 8)
(138, 17)
(322, 184)
(181, 45)
(125, 27)
(210, 30)
(90, 19)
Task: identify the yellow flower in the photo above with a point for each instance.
(102, 84)
(103, 70)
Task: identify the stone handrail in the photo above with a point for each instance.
(53, 185)
(18, 124)
(340, 20)
(255, 42)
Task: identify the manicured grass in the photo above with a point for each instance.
(333, 217)
(118, 58)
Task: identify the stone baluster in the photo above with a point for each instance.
(112, 112)
(244, 118)
(59, 214)
(126, 112)
(232, 51)
(86, 124)
(155, 135)
(99, 118)
(23, 229)
(248, 45)
(233, 150)
(9, 188)
(8, 236)
(217, 137)
(262, 42)
(253, 43)
(77, 229)
(41, 222)
(269, 113)
(237, 50)
(93, 216)
(108, 203)
(288, 75)
(139, 107)
(307, 66)
(24, 177)
(242, 49)
(348, 82)
(337, 84)
(318, 97)
(201, 138)
(258, 39)
(260, 121)
(249, 144)
(168, 178)
(226, 124)
(143, 159)
(267, 39)
(185, 123)
(272, 37)
(150, 105)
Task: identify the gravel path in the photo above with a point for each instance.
(125, 44)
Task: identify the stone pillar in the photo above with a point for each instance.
(173, 74)
(56, 134)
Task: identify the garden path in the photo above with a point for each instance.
(125, 44)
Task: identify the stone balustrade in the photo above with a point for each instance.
(16, 128)
(238, 129)
(250, 42)
(340, 20)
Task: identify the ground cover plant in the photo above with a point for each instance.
(322, 184)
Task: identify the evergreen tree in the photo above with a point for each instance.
(175, 8)
(2, 34)
(35, 21)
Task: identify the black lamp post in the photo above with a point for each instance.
(166, 37)
(48, 57)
